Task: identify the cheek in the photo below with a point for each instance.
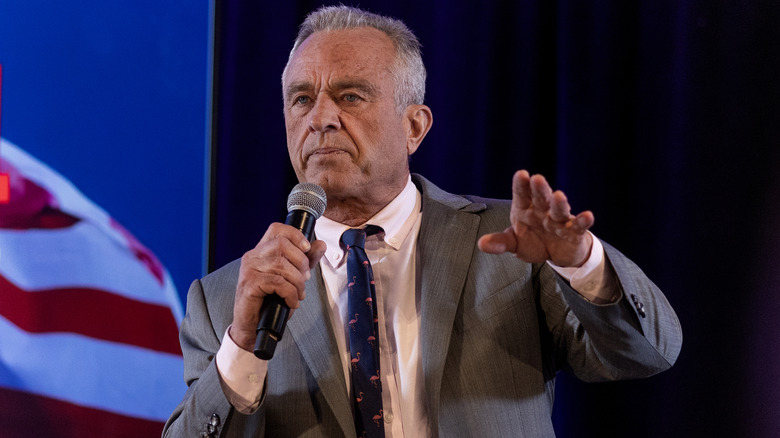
(295, 135)
(384, 131)
(389, 154)
(293, 124)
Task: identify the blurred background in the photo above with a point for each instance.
(660, 117)
(103, 118)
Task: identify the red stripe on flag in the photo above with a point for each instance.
(5, 188)
(91, 312)
(24, 415)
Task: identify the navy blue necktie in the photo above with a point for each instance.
(363, 344)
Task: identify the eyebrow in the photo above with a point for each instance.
(343, 84)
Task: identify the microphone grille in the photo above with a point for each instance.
(309, 197)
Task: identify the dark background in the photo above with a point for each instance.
(661, 117)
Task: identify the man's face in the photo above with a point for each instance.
(343, 130)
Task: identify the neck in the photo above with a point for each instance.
(354, 211)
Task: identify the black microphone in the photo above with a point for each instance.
(305, 205)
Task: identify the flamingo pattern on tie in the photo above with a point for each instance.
(363, 329)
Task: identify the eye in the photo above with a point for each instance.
(351, 98)
(302, 100)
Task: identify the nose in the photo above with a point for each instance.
(324, 115)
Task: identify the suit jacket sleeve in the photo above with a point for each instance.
(209, 312)
(638, 336)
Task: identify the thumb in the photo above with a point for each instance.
(497, 243)
(315, 253)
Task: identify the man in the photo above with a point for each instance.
(479, 302)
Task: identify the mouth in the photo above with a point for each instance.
(325, 147)
(328, 151)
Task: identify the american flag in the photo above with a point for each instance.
(88, 315)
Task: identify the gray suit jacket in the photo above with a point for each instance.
(494, 332)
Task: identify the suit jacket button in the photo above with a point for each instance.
(214, 421)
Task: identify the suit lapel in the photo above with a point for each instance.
(446, 244)
(313, 333)
(447, 240)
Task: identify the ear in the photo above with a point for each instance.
(417, 122)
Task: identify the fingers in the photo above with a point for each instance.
(560, 210)
(533, 192)
(543, 227)
(279, 264)
(318, 248)
(541, 193)
(534, 195)
(497, 243)
(521, 189)
(282, 270)
(584, 221)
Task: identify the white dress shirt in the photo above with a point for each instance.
(394, 262)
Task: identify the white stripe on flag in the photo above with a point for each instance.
(25, 262)
(80, 256)
(69, 198)
(112, 377)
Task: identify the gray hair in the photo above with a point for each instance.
(408, 69)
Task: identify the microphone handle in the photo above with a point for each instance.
(274, 312)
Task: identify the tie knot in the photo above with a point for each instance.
(357, 236)
(354, 237)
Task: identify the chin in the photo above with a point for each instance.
(342, 189)
(329, 183)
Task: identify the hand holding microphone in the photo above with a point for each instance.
(275, 271)
(305, 205)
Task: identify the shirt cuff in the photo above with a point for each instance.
(242, 375)
(593, 280)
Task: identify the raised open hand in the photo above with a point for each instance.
(543, 227)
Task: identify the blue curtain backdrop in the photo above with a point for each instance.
(661, 116)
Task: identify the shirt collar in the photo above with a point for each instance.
(396, 219)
